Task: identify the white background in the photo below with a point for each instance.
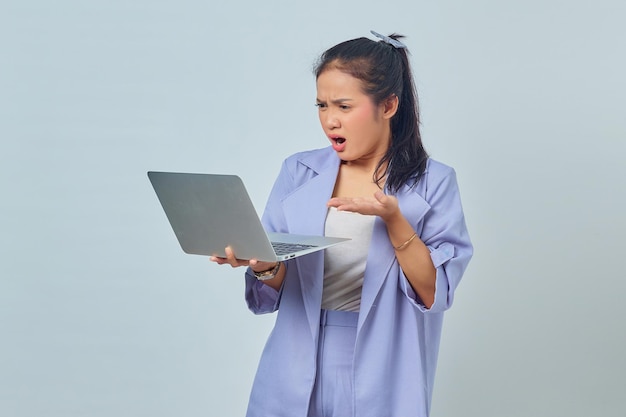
(102, 314)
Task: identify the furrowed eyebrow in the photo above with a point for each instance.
(337, 101)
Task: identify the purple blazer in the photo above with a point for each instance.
(397, 336)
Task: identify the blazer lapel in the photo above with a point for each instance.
(308, 202)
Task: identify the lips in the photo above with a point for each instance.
(338, 143)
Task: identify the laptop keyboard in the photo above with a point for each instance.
(285, 248)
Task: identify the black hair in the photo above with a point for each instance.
(384, 71)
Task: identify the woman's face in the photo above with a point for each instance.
(358, 130)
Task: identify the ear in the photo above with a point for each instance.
(390, 106)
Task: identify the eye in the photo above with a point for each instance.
(320, 105)
(344, 107)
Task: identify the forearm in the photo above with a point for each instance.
(413, 257)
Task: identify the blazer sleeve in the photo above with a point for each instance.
(261, 298)
(445, 234)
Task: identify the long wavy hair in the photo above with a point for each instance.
(384, 71)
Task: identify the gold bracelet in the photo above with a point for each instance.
(405, 244)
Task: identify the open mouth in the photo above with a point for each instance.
(339, 143)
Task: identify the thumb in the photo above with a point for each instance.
(381, 197)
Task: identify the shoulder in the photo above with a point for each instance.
(312, 158)
(436, 170)
(437, 178)
(315, 160)
(301, 167)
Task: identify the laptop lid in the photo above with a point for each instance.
(211, 211)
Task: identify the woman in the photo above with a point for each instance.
(358, 326)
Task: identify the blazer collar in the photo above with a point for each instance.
(320, 160)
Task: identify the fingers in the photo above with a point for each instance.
(334, 202)
(355, 204)
(231, 259)
(349, 204)
(380, 204)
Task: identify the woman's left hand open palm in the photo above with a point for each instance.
(382, 205)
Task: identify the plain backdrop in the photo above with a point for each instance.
(102, 314)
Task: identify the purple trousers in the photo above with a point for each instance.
(333, 390)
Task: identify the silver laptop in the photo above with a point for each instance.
(209, 212)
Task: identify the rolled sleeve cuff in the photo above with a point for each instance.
(439, 256)
(260, 298)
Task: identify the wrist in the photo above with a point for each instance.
(267, 273)
(396, 222)
(263, 264)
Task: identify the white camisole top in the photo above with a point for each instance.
(344, 264)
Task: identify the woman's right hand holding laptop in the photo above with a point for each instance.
(269, 273)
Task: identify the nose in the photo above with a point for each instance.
(330, 120)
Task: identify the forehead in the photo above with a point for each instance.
(335, 82)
